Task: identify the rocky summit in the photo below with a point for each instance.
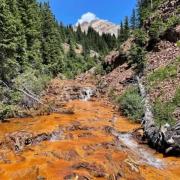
(101, 26)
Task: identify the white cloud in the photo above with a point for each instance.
(87, 17)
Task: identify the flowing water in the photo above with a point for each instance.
(144, 155)
(86, 93)
(79, 147)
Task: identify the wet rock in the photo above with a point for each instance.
(62, 91)
(18, 140)
(176, 114)
(85, 135)
(41, 137)
(108, 129)
(172, 138)
(108, 145)
(75, 126)
(75, 176)
(64, 111)
(70, 155)
(89, 149)
(94, 169)
(115, 176)
(133, 164)
(138, 134)
(4, 159)
(41, 178)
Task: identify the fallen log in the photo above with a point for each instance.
(32, 96)
(165, 139)
(25, 92)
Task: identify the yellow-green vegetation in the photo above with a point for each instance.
(11, 96)
(137, 52)
(176, 99)
(178, 44)
(147, 8)
(137, 58)
(8, 111)
(111, 94)
(131, 104)
(140, 37)
(159, 27)
(163, 111)
(170, 71)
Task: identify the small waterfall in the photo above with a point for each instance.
(86, 93)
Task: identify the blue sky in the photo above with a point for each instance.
(69, 11)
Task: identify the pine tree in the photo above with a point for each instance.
(121, 34)
(126, 28)
(133, 20)
(31, 19)
(9, 67)
(62, 31)
(79, 34)
(20, 34)
(72, 53)
(51, 41)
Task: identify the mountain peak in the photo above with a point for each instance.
(100, 25)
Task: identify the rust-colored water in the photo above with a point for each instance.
(85, 153)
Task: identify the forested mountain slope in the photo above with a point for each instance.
(35, 48)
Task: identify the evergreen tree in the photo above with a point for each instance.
(126, 28)
(51, 41)
(121, 34)
(21, 55)
(72, 53)
(133, 20)
(8, 43)
(79, 34)
(62, 31)
(31, 19)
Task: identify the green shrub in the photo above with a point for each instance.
(157, 28)
(111, 94)
(99, 69)
(77, 65)
(137, 58)
(163, 112)
(178, 44)
(6, 111)
(141, 37)
(131, 104)
(172, 21)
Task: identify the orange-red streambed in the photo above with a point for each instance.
(85, 153)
